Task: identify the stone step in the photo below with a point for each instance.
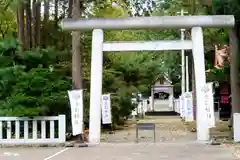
(161, 113)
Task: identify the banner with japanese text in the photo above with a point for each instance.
(189, 107)
(207, 98)
(106, 109)
(182, 107)
(76, 103)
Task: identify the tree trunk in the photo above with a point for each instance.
(77, 70)
(56, 13)
(45, 23)
(69, 12)
(234, 69)
(28, 31)
(64, 9)
(70, 6)
(76, 55)
(36, 22)
(20, 25)
(193, 12)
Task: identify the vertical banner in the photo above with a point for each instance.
(182, 108)
(236, 127)
(171, 101)
(106, 109)
(144, 105)
(178, 106)
(174, 106)
(139, 108)
(185, 105)
(189, 107)
(134, 112)
(150, 108)
(76, 103)
(207, 97)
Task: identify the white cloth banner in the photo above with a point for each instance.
(134, 112)
(150, 104)
(145, 105)
(182, 108)
(185, 105)
(236, 127)
(139, 108)
(106, 109)
(76, 103)
(207, 98)
(171, 101)
(189, 107)
(177, 105)
(174, 106)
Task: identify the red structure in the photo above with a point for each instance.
(225, 104)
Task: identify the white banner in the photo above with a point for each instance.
(171, 101)
(236, 127)
(182, 109)
(189, 107)
(76, 103)
(177, 106)
(207, 97)
(134, 112)
(106, 109)
(145, 105)
(139, 108)
(185, 105)
(174, 106)
(150, 104)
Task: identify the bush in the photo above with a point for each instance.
(35, 83)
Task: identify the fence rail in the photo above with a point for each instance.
(37, 130)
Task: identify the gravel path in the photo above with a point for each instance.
(169, 129)
(173, 142)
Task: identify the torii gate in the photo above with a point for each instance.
(99, 46)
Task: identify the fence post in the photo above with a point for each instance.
(62, 128)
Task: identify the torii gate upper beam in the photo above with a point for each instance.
(215, 21)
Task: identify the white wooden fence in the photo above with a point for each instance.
(37, 130)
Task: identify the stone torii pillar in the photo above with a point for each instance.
(99, 46)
